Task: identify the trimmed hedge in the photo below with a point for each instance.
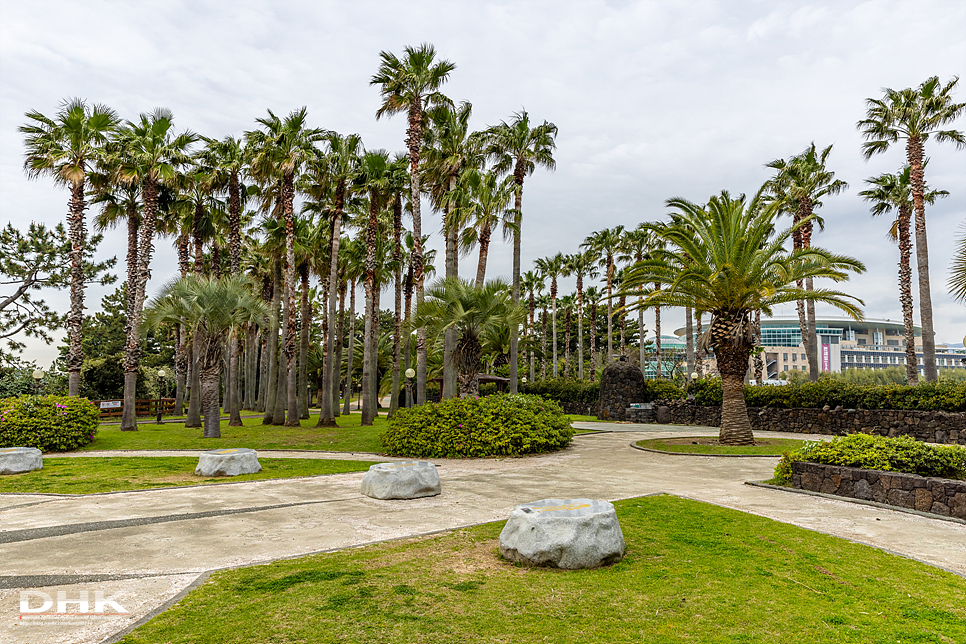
(871, 452)
(50, 423)
(502, 425)
(588, 393)
(931, 396)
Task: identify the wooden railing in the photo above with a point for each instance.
(142, 407)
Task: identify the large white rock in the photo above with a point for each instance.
(563, 533)
(402, 480)
(228, 462)
(16, 460)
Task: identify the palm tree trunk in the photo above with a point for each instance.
(352, 347)
(914, 152)
(289, 333)
(532, 335)
(271, 348)
(658, 373)
(698, 353)
(180, 369)
(543, 346)
(397, 294)
(339, 343)
(580, 327)
(623, 315)
(282, 384)
(758, 361)
(811, 348)
(640, 333)
(689, 341)
(905, 295)
(732, 365)
(568, 329)
(407, 350)
(128, 415)
(306, 316)
(515, 292)
(330, 370)
(414, 139)
(593, 340)
(369, 358)
(610, 312)
(194, 416)
(234, 404)
(553, 331)
(78, 239)
(449, 388)
(484, 254)
(209, 395)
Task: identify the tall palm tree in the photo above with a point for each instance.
(410, 84)
(212, 310)
(398, 180)
(593, 298)
(806, 180)
(486, 208)
(67, 147)
(552, 267)
(580, 265)
(518, 148)
(726, 258)
(473, 312)
(957, 271)
(893, 192)
(532, 284)
(636, 245)
(150, 155)
(604, 245)
(280, 150)
(915, 115)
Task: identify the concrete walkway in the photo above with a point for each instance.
(143, 548)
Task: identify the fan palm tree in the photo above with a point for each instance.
(957, 271)
(67, 147)
(636, 245)
(280, 150)
(552, 267)
(580, 265)
(398, 179)
(727, 259)
(212, 310)
(149, 154)
(487, 202)
(410, 84)
(593, 299)
(604, 244)
(517, 148)
(805, 180)
(474, 313)
(915, 115)
(893, 192)
(532, 284)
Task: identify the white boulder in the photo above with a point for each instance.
(563, 533)
(228, 462)
(16, 460)
(402, 480)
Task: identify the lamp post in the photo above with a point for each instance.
(694, 380)
(38, 375)
(410, 373)
(161, 375)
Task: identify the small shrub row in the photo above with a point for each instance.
(501, 425)
(873, 452)
(943, 395)
(50, 423)
(562, 390)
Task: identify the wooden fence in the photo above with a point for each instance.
(142, 407)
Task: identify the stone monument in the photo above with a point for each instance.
(401, 480)
(563, 533)
(621, 384)
(17, 460)
(228, 462)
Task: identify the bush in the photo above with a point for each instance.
(901, 454)
(50, 423)
(563, 390)
(103, 379)
(661, 389)
(502, 425)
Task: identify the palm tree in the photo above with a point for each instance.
(409, 84)
(957, 271)
(580, 265)
(487, 207)
(552, 267)
(399, 177)
(636, 245)
(726, 258)
(280, 150)
(593, 298)
(518, 148)
(893, 192)
(805, 180)
(150, 155)
(474, 313)
(604, 244)
(212, 310)
(915, 115)
(67, 147)
(532, 284)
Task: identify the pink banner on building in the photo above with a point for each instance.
(826, 357)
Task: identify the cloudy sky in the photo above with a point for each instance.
(652, 99)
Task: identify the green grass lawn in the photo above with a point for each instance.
(349, 437)
(771, 446)
(67, 475)
(694, 573)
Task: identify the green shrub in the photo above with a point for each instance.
(502, 425)
(50, 423)
(871, 452)
(661, 389)
(103, 379)
(563, 390)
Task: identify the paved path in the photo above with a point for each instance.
(143, 548)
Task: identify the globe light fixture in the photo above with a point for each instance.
(38, 375)
(161, 374)
(410, 373)
(694, 375)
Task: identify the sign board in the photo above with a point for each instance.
(826, 357)
(111, 404)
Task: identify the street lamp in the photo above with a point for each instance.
(410, 374)
(38, 375)
(694, 380)
(161, 375)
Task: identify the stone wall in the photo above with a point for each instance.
(926, 426)
(944, 497)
